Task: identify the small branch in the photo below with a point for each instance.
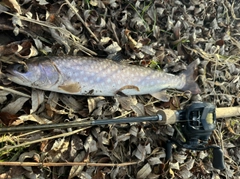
(35, 164)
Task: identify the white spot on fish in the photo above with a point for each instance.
(85, 78)
(119, 82)
(98, 79)
(109, 80)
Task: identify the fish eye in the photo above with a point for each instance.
(20, 68)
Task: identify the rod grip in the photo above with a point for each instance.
(168, 116)
(226, 112)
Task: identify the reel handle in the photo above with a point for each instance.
(218, 160)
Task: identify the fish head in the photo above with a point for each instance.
(24, 74)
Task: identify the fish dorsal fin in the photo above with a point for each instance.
(161, 95)
(70, 87)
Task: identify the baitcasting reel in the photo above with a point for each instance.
(197, 122)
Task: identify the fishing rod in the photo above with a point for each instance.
(196, 123)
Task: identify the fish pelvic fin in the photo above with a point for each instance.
(189, 78)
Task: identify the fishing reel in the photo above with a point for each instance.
(196, 123)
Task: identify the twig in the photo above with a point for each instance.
(50, 164)
(79, 17)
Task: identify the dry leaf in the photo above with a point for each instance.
(53, 99)
(57, 144)
(174, 165)
(171, 173)
(71, 102)
(185, 173)
(27, 51)
(114, 172)
(123, 137)
(189, 164)
(76, 170)
(31, 117)
(76, 144)
(3, 96)
(144, 171)
(148, 50)
(42, 2)
(179, 157)
(154, 161)
(29, 155)
(7, 119)
(90, 144)
(17, 23)
(93, 2)
(113, 48)
(37, 98)
(13, 5)
(127, 102)
(92, 103)
(138, 109)
(15, 106)
(60, 38)
(142, 151)
(84, 175)
(150, 110)
(134, 131)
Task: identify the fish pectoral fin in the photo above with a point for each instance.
(70, 87)
(161, 95)
(121, 93)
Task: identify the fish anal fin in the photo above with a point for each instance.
(161, 95)
(70, 87)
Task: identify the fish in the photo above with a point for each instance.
(93, 76)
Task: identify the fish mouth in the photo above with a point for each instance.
(14, 77)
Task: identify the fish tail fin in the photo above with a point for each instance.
(188, 75)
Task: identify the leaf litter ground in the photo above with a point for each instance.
(165, 35)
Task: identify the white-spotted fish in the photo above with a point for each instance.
(95, 76)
